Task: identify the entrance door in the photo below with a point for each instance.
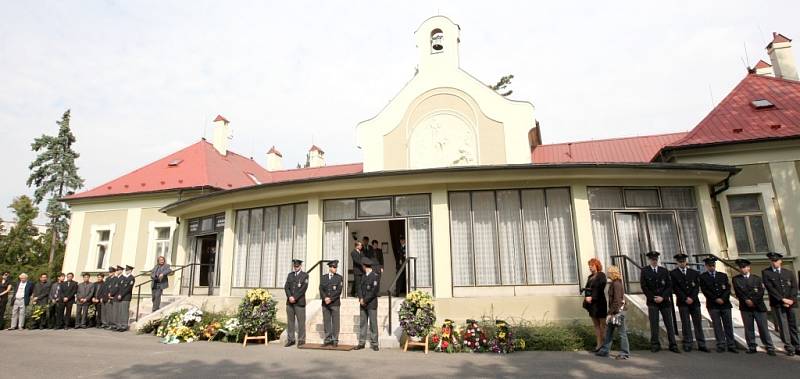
(207, 258)
(387, 233)
(632, 241)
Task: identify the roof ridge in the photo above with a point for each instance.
(314, 168)
(613, 139)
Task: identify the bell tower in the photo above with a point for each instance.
(437, 43)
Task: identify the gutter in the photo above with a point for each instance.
(725, 185)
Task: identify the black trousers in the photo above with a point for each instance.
(666, 314)
(59, 322)
(357, 277)
(786, 325)
(296, 323)
(691, 318)
(759, 319)
(330, 321)
(723, 327)
(68, 314)
(3, 304)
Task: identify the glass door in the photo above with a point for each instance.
(632, 241)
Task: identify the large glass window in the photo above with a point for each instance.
(747, 217)
(512, 237)
(266, 241)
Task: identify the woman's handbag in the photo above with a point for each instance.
(618, 318)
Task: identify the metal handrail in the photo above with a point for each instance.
(624, 269)
(139, 286)
(724, 262)
(400, 271)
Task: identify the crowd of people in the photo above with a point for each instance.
(681, 287)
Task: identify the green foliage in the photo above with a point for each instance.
(53, 175)
(257, 312)
(149, 327)
(21, 248)
(502, 84)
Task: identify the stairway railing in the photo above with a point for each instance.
(622, 261)
(393, 286)
(139, 286)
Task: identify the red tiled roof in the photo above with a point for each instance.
(735, 119)
(199, 165)
(778, 38)
(762, 64)
(220, 118)
(315, 172)
(616, 150)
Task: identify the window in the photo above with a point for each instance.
(161, 243)
(512, 237)
(747, 218)
(339, 209)
(641, 198)
(374, 208)
(761, 104)
(103, 238)
(437, 41)
(206, 225)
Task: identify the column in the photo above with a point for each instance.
(228, 242)
(74, 238)
(787, 186)
(440, 223)
(314, 246)
(583, 229)
(705, 204)
(130, 239)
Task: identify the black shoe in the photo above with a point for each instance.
(289, 343)
(327, 343)
(797, 351)
(375, 348)
(655, 349)
(300, 343)
(703, 349)
(675, 350)
(771, 353)
(720, 350)
(359, 347)
(687, 349)
(790, 353)
(601, 354)
(750, 351)
(335, 344)
(733, 350)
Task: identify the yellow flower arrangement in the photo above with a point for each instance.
(258, 296)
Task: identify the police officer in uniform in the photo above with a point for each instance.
(113, 291)
(781, 285)
(368, 300)
(686, 287)
(330, 291)
(657, 287)
(358, 270)
(295, 288)
(100, 295)
(717, 290)
(124, 296)
(750, 292)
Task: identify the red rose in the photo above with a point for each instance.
(444, 344)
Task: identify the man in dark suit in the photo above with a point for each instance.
(69, 292)
(124, 296)
(83, 298)
(399, 259)
(686, 286)
(41, 298)
(5, 290)
(330, 291)
(368, 300)
(295, 288)
(358, 270)
(57, 301)
(113, 291)
(160, 281)
(717, 291)
(781, 286)
(100, 294)
(20, 299)
(657, 287)
(750, 292)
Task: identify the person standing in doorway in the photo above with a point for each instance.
(367, 248)
(377, 256)
(368, 300)
(750, 291)
(20, 300)
(124, 295)
(781, 285)
(717, 290)
(686, 286)
(657, 287)
(100, 294)
(84, 299)
(41, 299)
(295, 288)
(358, 269)
(5, 290)
(399, 259)
(212, 264)
(330, 291)
(160, 281)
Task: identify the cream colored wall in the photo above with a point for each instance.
(440, 71)
(148, 217)
(115, 218)
(540, 308)
(786, 183)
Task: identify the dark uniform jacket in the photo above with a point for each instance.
(716, 287)
(370, 286)
(399, 257)
(57, 292)
(355, 257)
(41, 292)
(125, 285)
(331, 287)
(749, 289)
(113, 287)
(656, 284)
(296, 285)
(376, 255)
(69, 289)
(780, 286)
(686, 287)
(101, 291)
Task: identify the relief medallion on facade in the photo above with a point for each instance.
(442, 140)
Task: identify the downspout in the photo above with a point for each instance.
(725, 185)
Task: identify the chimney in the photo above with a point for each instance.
(763, 68)
(316, 157)
(781, 57)
(274, 160)
(222, 135)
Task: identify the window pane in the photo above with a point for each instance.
(374, 207)
(334, 241)
(461, 239)
(630, 241)
(605, 198)
(254, 248)
(270, 247)
(240, 255)
(104, 235)
(412, 205)
(744, 203)
(300, 226)
(740, 233)
(678, 197)
(537, 238)
(641, 198)
(162, 233)
(759, 233)
(419, 245)
(691, 233)
(220, 221)
(485, 229)
(510, 227)
(194, 226)
(285, 233)
(663, 234)
(603, 232)
(207, 224)
(562, 244)
(101, 256)
(339, 209)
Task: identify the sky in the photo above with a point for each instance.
(146, 78)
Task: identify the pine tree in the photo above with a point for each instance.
(20, 246)
(54, 174)
(502, 84)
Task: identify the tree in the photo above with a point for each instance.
(54, 174)
(21, 246)
(502, 84)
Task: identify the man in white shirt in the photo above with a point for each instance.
(22, 297)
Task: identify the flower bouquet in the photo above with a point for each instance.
(503, 342)
(192, 316)
(417, 315)
(177, 327)
(211, 330)
(257, 312)
(231, 329)
(447, 340)
(474, 338)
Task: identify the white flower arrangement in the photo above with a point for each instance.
(192, 315)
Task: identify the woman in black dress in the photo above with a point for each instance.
(595, 300)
